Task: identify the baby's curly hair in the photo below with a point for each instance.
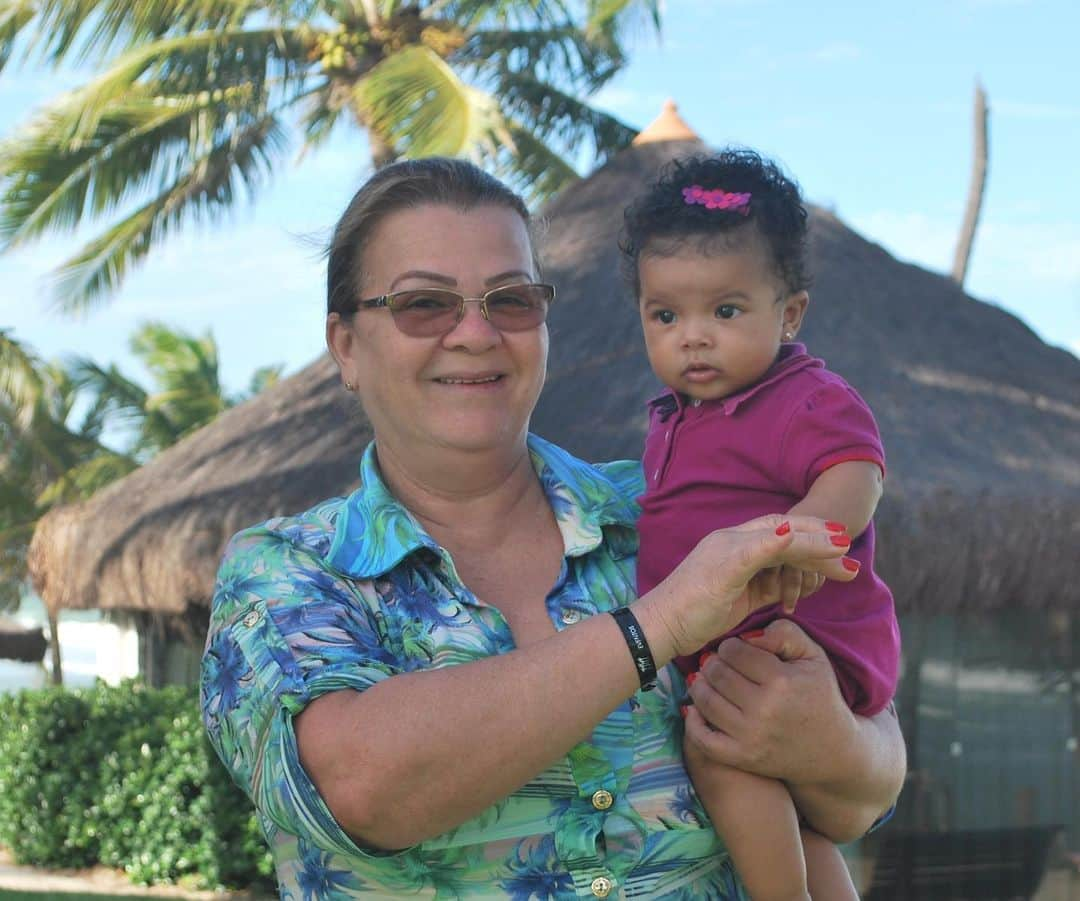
(662, 222)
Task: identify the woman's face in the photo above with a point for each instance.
(473, 388)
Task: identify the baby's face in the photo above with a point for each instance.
(713, 322)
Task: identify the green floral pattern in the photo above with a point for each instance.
(354, 591)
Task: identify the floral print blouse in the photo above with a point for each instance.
(354, 591)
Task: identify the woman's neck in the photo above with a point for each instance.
(464, 497)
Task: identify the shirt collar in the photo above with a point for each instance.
(374, 532)
(791, 358)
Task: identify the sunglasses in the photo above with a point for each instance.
(432, 312)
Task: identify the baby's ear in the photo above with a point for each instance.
(795, 305)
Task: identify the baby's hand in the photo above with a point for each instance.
(796, 584)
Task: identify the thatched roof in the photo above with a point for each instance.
(980, 419)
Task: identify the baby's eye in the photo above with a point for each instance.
(665, 317)
(727, 311)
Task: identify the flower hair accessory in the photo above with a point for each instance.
(717, 199)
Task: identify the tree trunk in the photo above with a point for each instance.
(975, 192)
(56, 677)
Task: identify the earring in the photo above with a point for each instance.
(788, 336)
(348, 385)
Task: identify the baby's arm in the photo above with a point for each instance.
(847, 493)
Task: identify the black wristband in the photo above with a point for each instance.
(639, 647)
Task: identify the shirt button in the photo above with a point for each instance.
(601, 886)
(570, 615)
(251, 618)
(602, 799)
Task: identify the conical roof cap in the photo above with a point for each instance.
(668, 126)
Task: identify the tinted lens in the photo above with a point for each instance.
(518, 307)
(425, 312)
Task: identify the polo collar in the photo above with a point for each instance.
(791, 358)
(374, 532)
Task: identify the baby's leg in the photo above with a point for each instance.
(826, 873)
(757, 821)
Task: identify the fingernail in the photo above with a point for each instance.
(835, 526)
(692, 678)
(840, 540)
(783, 528)
(703, 659)
(851, 565)
(754, 633)
(683, 710)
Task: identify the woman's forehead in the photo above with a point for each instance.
(449, 240)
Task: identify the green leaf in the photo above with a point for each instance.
(15, 15)
(416, 102)
(205, 190)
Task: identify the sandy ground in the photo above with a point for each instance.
(99, 880)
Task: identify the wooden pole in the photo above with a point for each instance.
(975, 192)
(56, 677)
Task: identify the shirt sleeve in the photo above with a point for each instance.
(830, 425)
(284, 629)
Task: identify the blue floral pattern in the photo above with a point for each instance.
(354, 591)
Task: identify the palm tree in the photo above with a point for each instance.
(187, 392)
(47, 459)
(197, 101)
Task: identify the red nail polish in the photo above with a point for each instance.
(835, 526)
(754, 633)
(704, 658)
(683, 710)
(783, 528)
(692, 678)
(851, 565)
(840, 540)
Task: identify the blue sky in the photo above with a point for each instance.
(868, 105)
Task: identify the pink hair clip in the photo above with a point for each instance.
(717, 199)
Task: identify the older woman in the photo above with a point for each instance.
(445, 685)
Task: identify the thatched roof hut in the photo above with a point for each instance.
(981, 422)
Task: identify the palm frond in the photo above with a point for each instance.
(560, 56)
(113, 396)
(197, 62)
(609, 17)
(93, 30)
(417, 103)
(509, 14)
(533, 167)
(142, 140)
(264, 377)
(21, 383)
(15, 15)
(83, 479)
(559, 119)
(237, 162)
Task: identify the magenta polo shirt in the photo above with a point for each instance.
(718, 463)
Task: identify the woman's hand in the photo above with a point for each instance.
(729, 574)
(770, 703)
(754, 697)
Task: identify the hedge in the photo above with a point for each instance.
(123, 776)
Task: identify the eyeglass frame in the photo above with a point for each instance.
(386, 300)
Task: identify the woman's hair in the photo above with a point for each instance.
(405, 185)
(701, 201)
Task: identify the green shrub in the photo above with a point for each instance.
(123, 776)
